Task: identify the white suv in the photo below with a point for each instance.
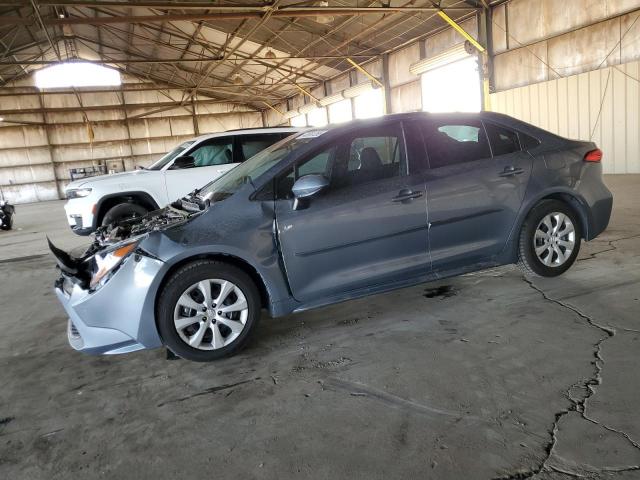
(97, 201)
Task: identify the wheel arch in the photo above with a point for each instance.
(108, 201)
(221, 257)
(568, 197)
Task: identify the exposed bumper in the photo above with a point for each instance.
(599, 200)
(112, 320)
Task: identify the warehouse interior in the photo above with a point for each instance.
(488, 375)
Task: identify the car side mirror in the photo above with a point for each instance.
(185, 161)
(306, 187)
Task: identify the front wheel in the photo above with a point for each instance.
(550, 239)
(208, 310)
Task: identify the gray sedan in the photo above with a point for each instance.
(329, 215)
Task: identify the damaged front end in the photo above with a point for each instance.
(104, 287)
(92, 267)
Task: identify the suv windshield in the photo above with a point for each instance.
(250, 170)
(170, 156)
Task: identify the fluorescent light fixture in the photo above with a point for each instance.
(77, 74)
(308, 107)
(331, 99)
(1, 119)
(358, 90)
(461, 51)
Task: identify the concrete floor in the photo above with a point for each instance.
(490, 375)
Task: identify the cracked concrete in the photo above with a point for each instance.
(488, 375)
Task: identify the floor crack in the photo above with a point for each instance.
(611, 248)
(578, 405)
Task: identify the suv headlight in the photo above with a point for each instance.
(107, 262)
(78, 192)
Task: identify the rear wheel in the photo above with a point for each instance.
(550, 239)
(123, 211)
(208, 310)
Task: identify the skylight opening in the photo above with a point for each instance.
(77, 74)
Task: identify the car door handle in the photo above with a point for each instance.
(510, 171)
(406, 195)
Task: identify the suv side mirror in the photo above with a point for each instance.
(306, 187)
(185, 161)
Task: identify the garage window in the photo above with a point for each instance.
(369, 104)
(299, 121)
(317, 117)
(340, 111)
(452, 88)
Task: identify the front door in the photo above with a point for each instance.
(367, 228)
(474, 194)
(212, 158)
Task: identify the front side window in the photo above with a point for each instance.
(369, 156)
(450, 143)
(158, 165)
(319, 164)
(251, 170)
(213, 152)
(503, 141)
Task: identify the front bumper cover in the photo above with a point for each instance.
(112, 319)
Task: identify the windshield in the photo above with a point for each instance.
(170, 156)
(250, 170)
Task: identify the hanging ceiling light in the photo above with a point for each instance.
(324, 19)
(270, 54)
(237, 80)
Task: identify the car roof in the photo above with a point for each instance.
(248, 131)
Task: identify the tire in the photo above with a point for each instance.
(123, 211)
(9, 223)
(546, 248)
(181, 315)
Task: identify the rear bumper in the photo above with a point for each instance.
(113, 319)
(598, 198)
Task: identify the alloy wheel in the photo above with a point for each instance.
(554, 239)
(210, 314)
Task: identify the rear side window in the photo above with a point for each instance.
(503, 140)
(249, 145)
(451, 143)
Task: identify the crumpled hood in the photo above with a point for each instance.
(114, 178)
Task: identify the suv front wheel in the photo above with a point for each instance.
(208, 310)
(123, 211)
(549, 239)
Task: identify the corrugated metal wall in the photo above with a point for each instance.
(35, 158)
(601, 105)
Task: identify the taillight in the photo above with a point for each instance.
(593, 156)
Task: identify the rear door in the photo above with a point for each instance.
(475, 188)
(367, 228)
(212, 157)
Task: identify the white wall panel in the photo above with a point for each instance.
(602, 106)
